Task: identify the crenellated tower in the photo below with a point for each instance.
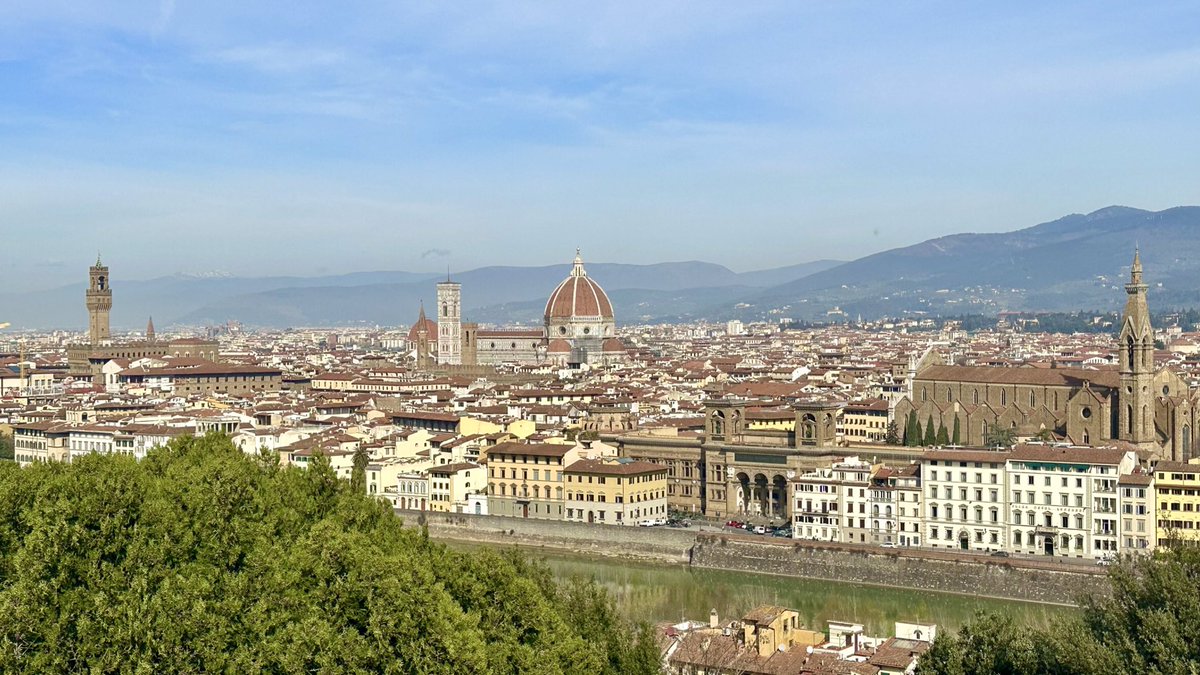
(99, 303)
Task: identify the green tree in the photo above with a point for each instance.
(6, 446)
(930, 438)
(358, 474)
(943, 436)
(892, 437)
(912, 430)
(201, 559)
(956, 435)
(1147, 624)
(999, 436)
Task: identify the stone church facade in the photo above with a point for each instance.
(1148, 407)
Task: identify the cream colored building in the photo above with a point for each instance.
(963, 494)
(1063, 500)
(615, 491)
(450, 485)
(1139, 532)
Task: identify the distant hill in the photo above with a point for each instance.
(1075, 261)
(490, 295)
(387, 297)
(1081, 260)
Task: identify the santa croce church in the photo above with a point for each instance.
(1151, 408)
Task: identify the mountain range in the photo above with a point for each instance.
(1076, 262)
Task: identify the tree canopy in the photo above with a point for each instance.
(1148, 625)
(200, 559)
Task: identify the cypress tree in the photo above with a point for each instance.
(956, 436)
(930, 433)
(912, 430)
(943, 437)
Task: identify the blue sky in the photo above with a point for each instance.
(302, 138)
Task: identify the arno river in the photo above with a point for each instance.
(668, 593)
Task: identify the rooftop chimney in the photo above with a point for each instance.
(712, 619)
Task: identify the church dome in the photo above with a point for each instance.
(578, 297)
(431, 329)
(613, 345)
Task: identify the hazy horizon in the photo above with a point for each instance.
(177, 137)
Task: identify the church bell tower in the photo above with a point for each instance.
(99, 303)
(449, 322)
(1136, 414)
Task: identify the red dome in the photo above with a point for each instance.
(559, 347)
(613, 345)
(431, 330)
(578, 296)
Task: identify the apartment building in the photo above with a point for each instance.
(816, 506)
(963, 493)
(450, 485)
(1139, 532)
(1064, 499)
(526, 480)
(615, 491)
(854, 477)
(906, 482)
(864, 421)
(1177, 496)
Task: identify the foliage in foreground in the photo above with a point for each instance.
(1148, 625)
(199, 559)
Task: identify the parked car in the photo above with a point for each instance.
(760, 530)
(649, 522)
(888, 544)
(735, 523)
(660, 521)
(783, 532)
(1000, 554)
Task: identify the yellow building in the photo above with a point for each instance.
(471, 426)
(1177, 496)
(525, 480)
(615, 491)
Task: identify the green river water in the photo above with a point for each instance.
(646, 591)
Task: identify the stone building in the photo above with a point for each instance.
(88, 359)
(578, 328)
(1151, 408)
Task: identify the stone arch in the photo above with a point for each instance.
(718, 423)
(808, 426)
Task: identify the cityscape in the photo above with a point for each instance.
(776, 339)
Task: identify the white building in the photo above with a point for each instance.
(1064, 500)
(964, 496)
(816, 506)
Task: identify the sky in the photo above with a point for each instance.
(303, 138)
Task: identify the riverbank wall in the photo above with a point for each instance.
(1030, 580)
(944, 572)
(654, 544)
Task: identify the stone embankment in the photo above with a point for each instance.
(1031, 580)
